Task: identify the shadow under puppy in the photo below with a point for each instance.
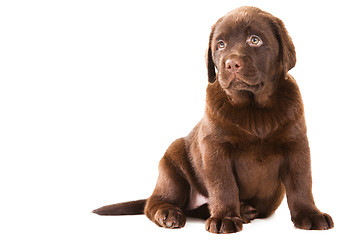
(250, 147)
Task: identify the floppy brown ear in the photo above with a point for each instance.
(209, 60)
(287, 48)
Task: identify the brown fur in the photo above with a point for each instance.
(251, 145)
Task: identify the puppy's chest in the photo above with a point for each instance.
(257, 168)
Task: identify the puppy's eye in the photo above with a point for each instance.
(221, 44)
(255, 41)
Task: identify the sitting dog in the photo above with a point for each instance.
(250, 147)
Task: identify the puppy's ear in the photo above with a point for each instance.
(287, 48)
(209, 60)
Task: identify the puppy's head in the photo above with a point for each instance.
(250, 49)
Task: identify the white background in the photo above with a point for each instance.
(93, 92)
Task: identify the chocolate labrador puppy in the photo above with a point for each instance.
(250, 147)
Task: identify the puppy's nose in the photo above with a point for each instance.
(233, 65)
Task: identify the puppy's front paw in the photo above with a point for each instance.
(170, 218)
(313, 221)
(223, 225)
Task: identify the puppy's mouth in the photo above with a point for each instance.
(243, 84)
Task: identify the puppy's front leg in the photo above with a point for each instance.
(224, 204)
(297, 180)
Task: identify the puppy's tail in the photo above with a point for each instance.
(125, 208)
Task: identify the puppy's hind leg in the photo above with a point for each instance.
(166, 204)
(247, 212)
